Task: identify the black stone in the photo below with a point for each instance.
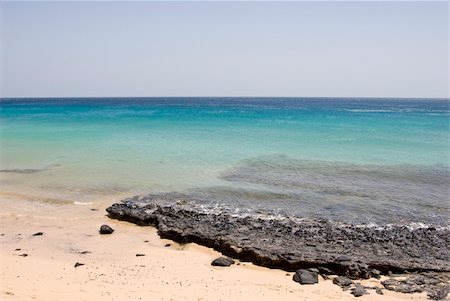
(38, 234)
(138, 255)
(78, 264)
(222, 262)
(306, 277)
(342, 281)
(358, 291)
(105, 229)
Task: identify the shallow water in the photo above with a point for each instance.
(368, 160)
(363, 194)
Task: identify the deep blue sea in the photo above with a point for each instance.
(370, 161)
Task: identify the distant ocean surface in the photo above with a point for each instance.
(366, 161)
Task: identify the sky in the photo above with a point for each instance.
(305, 49)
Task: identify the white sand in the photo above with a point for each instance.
(113, 272)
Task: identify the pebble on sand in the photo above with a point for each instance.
(222, 262)
(105, 229)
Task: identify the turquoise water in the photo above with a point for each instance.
(77, 149)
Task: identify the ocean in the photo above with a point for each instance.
(364, 161)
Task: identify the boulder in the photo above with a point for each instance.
(222, 262)
(358, 291)
(342, 281)
(306, 277)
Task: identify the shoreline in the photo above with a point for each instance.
(290, 243)
(113, 272)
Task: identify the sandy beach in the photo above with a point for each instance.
(112, 271)
(224, 150)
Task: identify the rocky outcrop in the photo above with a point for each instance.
(292, 244)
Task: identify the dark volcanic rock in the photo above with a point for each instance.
(290, 243)
(105, 229)
(439, 293)
(354, 270)
(375, 273)
(342, 281)
(342, 258)
(222, 262)
(306, 277)
(407, 288)
(139, 255)
(325, 271)
(379, 291)
(38, 234)
(358, 291)
(390, 284)
(430, 282)
(77, 264)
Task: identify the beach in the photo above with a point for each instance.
(224, 150)
(348, 187)
(112, 271)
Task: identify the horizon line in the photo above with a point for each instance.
(247, 97)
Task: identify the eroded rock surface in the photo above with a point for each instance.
(290, 243)
(437, 285)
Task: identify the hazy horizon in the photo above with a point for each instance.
(224, 49)
(241, 97)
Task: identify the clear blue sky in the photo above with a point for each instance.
(377, 49)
